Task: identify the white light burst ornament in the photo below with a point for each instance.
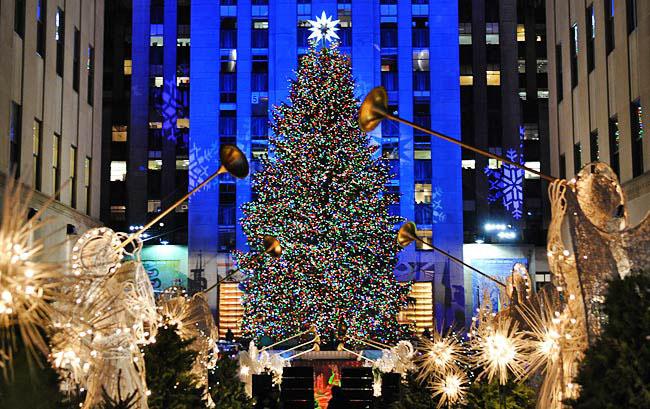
(323, 28)
(451, 388)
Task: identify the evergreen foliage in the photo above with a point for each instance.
(168, 363)
(226, 389)
(414, 395)
(31, 383)
(512, 395)
(321, 193)
(615, 372)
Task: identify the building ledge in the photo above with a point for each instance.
(637, 187)
(39, 199)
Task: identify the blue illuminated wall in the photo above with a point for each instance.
(367, 18)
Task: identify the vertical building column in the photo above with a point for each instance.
(405, 108)
(136, 177)
(510, 115)
(244, 109)
(446, 158)
(170, 107)
(283, 54)
(365, 55)
(204, 137)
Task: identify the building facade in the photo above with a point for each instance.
(599, 62)
(186, 76)
(51, 107)
(504, 110)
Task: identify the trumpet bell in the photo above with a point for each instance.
(406, 234)
(234, 161)
(373, 109)
(272, 246)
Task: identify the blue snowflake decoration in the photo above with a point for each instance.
(506, 183)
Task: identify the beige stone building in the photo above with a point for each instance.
(599, 66)
(51, 106)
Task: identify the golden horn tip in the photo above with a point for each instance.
(373, 109)
(272, 246)
(406, 234)
(234, 161)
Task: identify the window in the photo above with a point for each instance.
(609, 25)
(420, 31)
(19, 17)
(15, 138)
(389, 78)
(421, 80)
(40, 27)
(577, 158)
(492, 33)
(153, 206)
(558, 72)
(632, 18)
(91, 75)
(118, 212)
(636, 117)
(344, 10)
(423, 193)
(260, 82)
(56, 169)
(73, 176)
(37, 146)
(493, 77)
(574, 55)
(465, 33)
(591, 37)
(118, 171)
(426, 236)
(260, 34)
(75, 59)
(594, 149)
(59, 34)
(562, 166)
(388, 35)
(228, 33)
(614, 145)
(521, 33)
(87, 169)
(535, 165)
(128, 67)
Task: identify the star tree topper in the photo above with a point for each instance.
(323, 28)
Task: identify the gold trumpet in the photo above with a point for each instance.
(375, 109)
(272, 247)
(233, 161)
(407, 234)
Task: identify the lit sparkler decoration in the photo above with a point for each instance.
(440, 355)
(499, 349)
(451, 387)
(27, 285)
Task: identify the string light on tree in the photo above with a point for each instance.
(321, 195)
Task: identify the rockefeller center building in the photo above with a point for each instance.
(183, 77)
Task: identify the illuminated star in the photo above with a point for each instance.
(323, 28)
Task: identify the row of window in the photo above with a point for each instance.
(591, 30)
(59, 36)
(15, 146)
(637, 129)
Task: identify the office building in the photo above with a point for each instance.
(51, 107)
(599, 63)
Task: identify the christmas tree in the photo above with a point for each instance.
(226, 389)
(169, 378)
(321, 194)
